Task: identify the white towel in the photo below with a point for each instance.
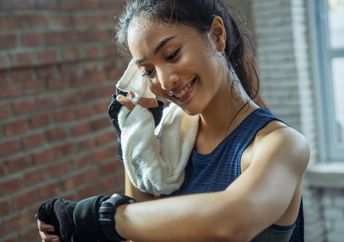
(154, 158)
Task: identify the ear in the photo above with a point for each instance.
(217, 34)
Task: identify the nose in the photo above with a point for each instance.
(167, 78)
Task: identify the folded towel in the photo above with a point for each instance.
(154, 158)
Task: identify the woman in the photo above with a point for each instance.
(245, 172)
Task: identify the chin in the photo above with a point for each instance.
(191, 111)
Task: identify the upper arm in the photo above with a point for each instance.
(132, 191)
(264, 191)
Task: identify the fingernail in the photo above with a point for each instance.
(132, 94)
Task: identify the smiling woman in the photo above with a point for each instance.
(243, 179)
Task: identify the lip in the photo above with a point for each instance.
(187, 95)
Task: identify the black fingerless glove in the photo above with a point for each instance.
(114, 109)
(89, 220)
(59, 213)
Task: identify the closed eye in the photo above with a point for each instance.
(149, 73)
(173, 55)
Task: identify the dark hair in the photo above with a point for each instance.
(199, 14)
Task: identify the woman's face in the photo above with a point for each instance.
(182, 64)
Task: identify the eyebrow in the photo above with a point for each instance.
(157, 48)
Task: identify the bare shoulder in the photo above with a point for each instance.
(278, 142)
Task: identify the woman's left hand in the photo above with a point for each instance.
(46, 231)
(143, 101)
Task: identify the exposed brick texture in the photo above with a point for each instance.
(58, 67)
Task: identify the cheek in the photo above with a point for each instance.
(155, 87)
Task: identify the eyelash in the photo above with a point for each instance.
(168, 58)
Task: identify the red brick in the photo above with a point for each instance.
(109, 4)
(73, 182)
(100, 124)
(10, 23)
(70, 54)
(47, 57)
(80, 129)
(96, 76)
(64, 150)
(33, 141)
(82, 161)
(47, 102)
(89, 190)
(89, 4)
(46, 72)
(56, 134)
(16, 127)
(8, 41)
(70, 98)
(31, 86)
(89, 94)
(24, 199)
(110, 50)
(5, 110)
(60, 168)
(33, 39)
(49, 5)
(23, 59)
(5, 62)
(24, 106)
(69, 5)
(18, 164)
(10, 186)
(44, 156)
(101, 107)
(20, 221)
(47, 191)
(40, 120)
(102, 154)
(57, 38)
(106, 91)
(85, 144)
(4, 207)
(31, 234)
(35, 21)
(64, 116)
(109, 167)
(92, 52)
(61, 21)
(36, 176)
(106, 138)
(86, 111)
(20, 75)
(8, 148)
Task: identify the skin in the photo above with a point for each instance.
(269, 189)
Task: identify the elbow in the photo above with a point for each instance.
(233, 233)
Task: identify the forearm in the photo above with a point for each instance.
(188, 218)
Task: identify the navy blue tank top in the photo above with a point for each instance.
(216, 170)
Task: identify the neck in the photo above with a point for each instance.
(225, 113)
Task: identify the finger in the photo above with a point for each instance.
(44, 227)
(148, 102)
(125, 102)
(49, 237)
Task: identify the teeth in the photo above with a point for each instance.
(184, 91)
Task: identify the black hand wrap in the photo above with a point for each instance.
(74, 221)
(114, 109)
(59, 213)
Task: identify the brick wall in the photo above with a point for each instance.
(58, 64)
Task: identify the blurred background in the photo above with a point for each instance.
(58, 68)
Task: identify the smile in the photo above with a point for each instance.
(185, 92)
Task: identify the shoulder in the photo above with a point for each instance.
(281, 144)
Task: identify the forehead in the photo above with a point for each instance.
(144, 34)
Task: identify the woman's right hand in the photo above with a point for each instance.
(46, 231)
